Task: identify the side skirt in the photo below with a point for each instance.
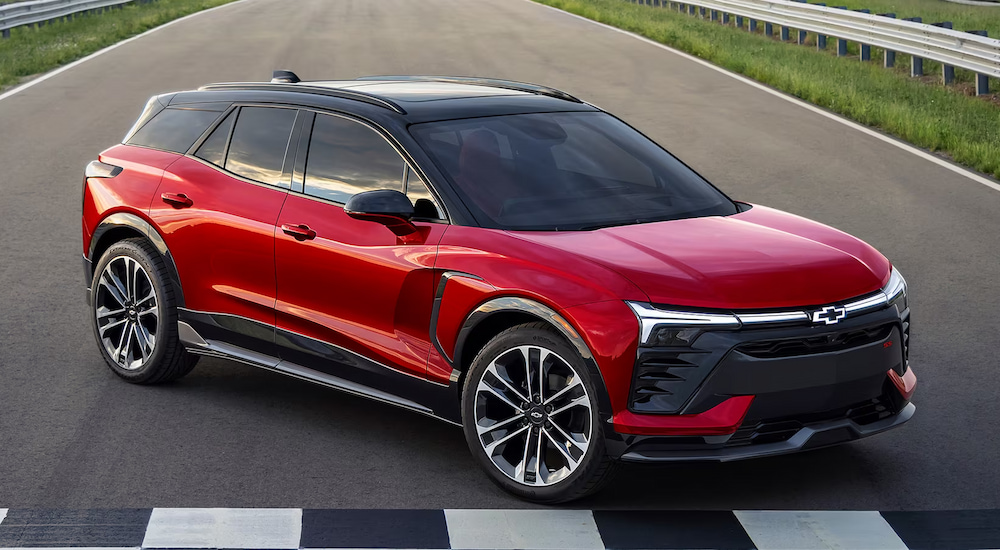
(197, 344)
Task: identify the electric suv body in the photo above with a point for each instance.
(499, 255)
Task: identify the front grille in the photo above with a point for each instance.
(776, 431)
(836, 341)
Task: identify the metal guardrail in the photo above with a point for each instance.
(38, 12)
(971, 50)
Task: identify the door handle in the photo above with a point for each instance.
(301, 232)
(177, 200)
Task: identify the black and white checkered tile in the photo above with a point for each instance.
(292, 528)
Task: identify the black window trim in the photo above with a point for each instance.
(408, 163)
(236, 107)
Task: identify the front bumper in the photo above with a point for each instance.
(811, 436)
(748, 393)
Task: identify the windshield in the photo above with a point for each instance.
(565, 171)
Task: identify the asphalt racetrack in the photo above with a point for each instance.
(72, 435)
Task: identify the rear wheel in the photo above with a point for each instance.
(530, 416)
(135, 317)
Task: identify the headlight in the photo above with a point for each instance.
(895, 289)
(677, 328)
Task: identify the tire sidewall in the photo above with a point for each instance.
(572, 486)
(165, 306)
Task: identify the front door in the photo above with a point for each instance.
(353, 299)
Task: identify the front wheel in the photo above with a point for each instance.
(135, 317)
(530, 414)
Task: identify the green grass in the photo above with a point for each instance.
(30, 51)
(931, 116)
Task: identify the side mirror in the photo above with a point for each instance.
(385, 206)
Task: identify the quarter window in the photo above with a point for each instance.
(346, 158)
(424, 205)
(260, 140)
(174, 129)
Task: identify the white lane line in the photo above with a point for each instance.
(54, 72)
(861, 128)
(274, 528)
(528, 529)
(3, 514)
(74, 548)
(778, 530)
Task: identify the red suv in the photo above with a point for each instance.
(499, 255)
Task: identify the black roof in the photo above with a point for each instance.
(415, 98)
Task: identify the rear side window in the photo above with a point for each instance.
(174, 129)
(260, 140)
(214, 148)
(346, 158)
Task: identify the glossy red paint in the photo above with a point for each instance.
(223, 243)
(142, 169)
(357, 284)
(906, 384)
(761, 258)
(722, 419)
(462, 294)
(307, 267)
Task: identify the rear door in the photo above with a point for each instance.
(354, 300)
(217, 209)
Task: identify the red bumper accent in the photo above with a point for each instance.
(722, 419)
(906, 383)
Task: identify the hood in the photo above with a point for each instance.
(757, 259)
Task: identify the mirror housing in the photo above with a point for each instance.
(385, 206)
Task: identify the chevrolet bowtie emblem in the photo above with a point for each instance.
(829, 315)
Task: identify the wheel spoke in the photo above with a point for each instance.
(572, 462)
(103, 312)
(121, 342)
(150, 296)
(576, 382)
(570, 439)
(578, 402)
(492, 446)
(499, 395)
(541, 374)
(538, 459)
(111, 283)
(140, 337)
(128, 344)
(496, 373)
(496, 426)
(112, 325)
(154, 311)
(530, 443)
(134, 269)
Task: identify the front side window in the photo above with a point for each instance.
(260, 141)
(565, 171)
(346, 157)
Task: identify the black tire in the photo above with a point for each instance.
(167, 360)
(595, 468)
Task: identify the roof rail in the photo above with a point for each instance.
(477, 81)
(306, 88)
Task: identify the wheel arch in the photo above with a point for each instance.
(125, 225)
(501, 313)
